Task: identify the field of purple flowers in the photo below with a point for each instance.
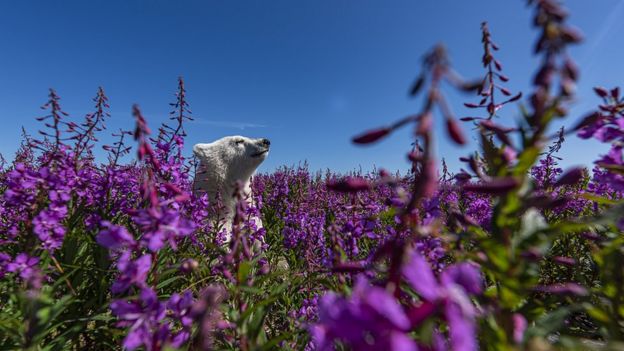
(509, 253)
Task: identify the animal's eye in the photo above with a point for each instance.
(239, 141)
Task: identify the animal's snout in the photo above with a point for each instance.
(265, 142)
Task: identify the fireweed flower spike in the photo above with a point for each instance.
(491, 82)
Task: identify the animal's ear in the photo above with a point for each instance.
(199, 150)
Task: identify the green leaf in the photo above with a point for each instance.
(169, 281)
(243, 271)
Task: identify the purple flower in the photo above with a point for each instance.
(520, 325)
(23, 265)
(5, 259)
(161, 225)
(131, 272)
(370, 319)
(144, 318)
(451, 293)
(613, 160)
(431, 248)
(47, 226)
(546, 173)
(27, 268)
(114, 236)
(480, 209)
(180, 307)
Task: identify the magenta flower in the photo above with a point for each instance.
(519, 327)
(612, 160)
(144, 318)
(23, 265)
(48, 227)
(180, 308)
(131, 272)
(450, 294)
(27, 268)
(162, 225)
(5, 259)
(370, 319)
(114, 236)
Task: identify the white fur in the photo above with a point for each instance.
(224, 162)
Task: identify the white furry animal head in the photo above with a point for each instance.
(224, 162)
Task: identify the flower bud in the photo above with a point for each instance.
(371, 136)
(571, 177)
(189, 265)
(602, 92)
(455, 131)
(349, 185)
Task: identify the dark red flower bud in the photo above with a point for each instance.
(602, 92)
(455, 131)
(606, 108)
(462, 177)
(588, 120)
(544, 76)
(571, 177)
(570, 69)
(371, 136)
(503, 77)
(498, 65)
(505, 91)
(349, 267)
(571, 35)
(615, 93)
(349, 185)
(417, 86)
(474, 165)
(469, 119)
(496, 186)
(471, 105)
(189, 265)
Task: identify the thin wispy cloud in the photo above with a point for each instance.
(605, 31)
(228, 124)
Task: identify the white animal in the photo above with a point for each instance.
(224, 162)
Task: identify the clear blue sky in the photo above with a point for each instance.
(306, 74)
